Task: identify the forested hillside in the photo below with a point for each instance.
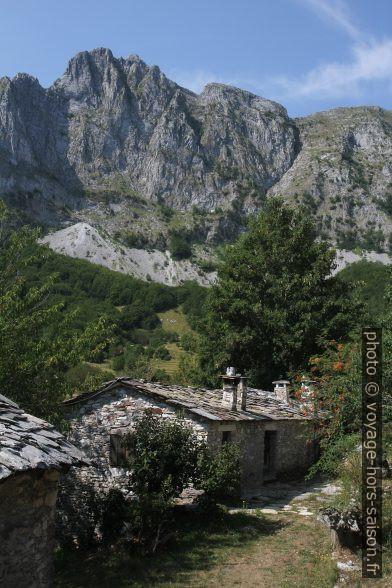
(130, 305)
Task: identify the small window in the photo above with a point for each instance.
(119, 455)
(226, 437)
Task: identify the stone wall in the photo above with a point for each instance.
(294, 450)
(27, 509)
(113, 412)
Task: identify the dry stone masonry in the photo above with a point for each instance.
(275, 438)
(32, 456)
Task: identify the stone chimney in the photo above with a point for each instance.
(242, 392)
(230, 382)
(281, 390)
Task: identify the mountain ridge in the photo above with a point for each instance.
(113, 142)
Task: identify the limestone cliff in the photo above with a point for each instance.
(114, 136)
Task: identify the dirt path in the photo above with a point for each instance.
(275, 541)
(297, 555)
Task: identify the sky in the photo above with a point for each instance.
(309, 55)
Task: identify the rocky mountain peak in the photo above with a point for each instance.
(111, 129)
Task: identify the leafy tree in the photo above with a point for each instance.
(274, 299)
(179, 247)
(219, 473)
(163, 462)
(369, 280)
(37, 343)
(162, 353)
(337, 400)
(193, 298)
(164, 456)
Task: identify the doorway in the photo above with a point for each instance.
(269, 464)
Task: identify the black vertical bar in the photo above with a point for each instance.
(372, 453)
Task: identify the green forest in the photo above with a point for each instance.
(276, 310)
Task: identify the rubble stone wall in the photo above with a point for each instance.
(27, 511)
(113, 412)
(293, 449)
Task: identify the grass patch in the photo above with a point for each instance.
(221, 550)
(175, 321)
(172, 365)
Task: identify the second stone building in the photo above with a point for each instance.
(274, 433)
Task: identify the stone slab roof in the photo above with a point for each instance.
(261, 405)
(29, 443)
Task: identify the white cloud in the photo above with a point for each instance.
(337, 12)
(371, 62)
(194, 80)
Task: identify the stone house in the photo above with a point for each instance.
(274, 436)
(32, 456)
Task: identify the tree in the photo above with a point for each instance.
(337, 402)
(37, 343)
(179, 247)
(165, 457)
(219, 473)
(275, 298)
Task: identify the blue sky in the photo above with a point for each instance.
(309, 55)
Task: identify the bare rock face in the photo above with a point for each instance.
(344, 170)
(109, 120)
(35, 173)
(111, 130)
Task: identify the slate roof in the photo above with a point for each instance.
(261, 405)
(29, 443)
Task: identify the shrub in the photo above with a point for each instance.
(179, 247)
(113, 512)
(219, 473)
(166, 211)
(148, 520)
(162, 353)
(132, 354)
(160, 376)
(134, 240)
(118, 362)
(188, 342)
(386, 204)
(164, 456)
(206, 265)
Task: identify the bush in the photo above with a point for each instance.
(113, 512)
(164, 456)
(166, 211)
(118, 363)
(162, 353)
(338, 395)
(219, 473)
(132, 240)
(179, 247)
(160, 376)
(188, 342)
(147, 522)
(207, 266)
